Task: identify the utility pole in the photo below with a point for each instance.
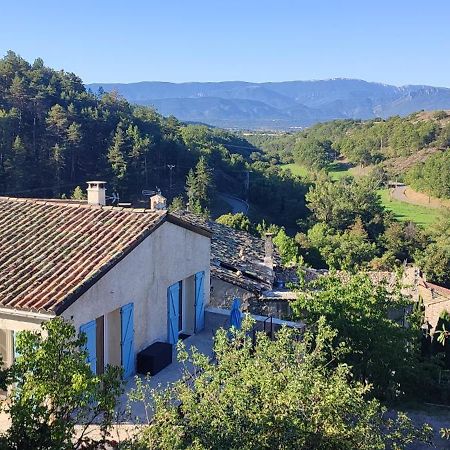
(171, 167)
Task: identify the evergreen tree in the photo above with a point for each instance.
(78, 194)
(116, 156)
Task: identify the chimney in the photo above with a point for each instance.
(158, 203)
(96, 193)
(268, 250)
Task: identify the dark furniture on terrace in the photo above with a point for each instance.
(154, 358)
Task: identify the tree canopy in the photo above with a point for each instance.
(263, 394)
(53, 390)
(369, 319)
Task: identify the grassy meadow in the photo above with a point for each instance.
(407, 212)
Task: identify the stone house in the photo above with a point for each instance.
(247, 267)
(436, 300)
(126, 277)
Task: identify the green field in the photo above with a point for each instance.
(336, 172)
(405, 211)
(296, 169)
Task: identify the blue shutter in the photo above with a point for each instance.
(173, 297)
(89, 329)
(127, 339)
(199, 301)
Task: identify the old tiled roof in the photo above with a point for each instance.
(441, 290)
(50, 252)
(237, 257)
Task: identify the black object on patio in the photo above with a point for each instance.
(154, 358)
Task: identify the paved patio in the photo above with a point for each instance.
(202, 341)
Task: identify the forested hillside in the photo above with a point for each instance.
(55, 135)
(359, 142)
(350, 228)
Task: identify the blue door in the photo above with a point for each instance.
(89, 329)
(199, 301)
(173, 312)
(127, 339)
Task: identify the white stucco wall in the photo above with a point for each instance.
(12, 322)
(170, 254)
(15, 321)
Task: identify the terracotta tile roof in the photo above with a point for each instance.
(237, 257)
(50, 250)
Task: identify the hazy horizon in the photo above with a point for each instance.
(267, 81)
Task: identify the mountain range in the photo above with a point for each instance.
(279, 105)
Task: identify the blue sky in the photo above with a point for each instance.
(396, 41)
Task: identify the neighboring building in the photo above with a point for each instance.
(436, 300)
(247, 267)
(126, 277)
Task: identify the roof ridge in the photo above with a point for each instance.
(65, 202)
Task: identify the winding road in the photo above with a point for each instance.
(237, 204)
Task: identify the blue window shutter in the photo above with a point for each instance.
(173, 294)
(89, 329)
(127, 339)
(199, 301)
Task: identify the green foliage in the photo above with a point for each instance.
(53, 389)
(434, 260)
(371, 141)
(435, 263)
(403, 239)
(177, 204)
(380, 350)
(439, 115)
(287, 248)
(432, 176)
(78, 194)
(199, 187)
(279, 394)
(55, 135)
(237, 221)
(361, 142)
(277, 146)
(347, 250)
(339, 204)
(314, 153)
(279, 194)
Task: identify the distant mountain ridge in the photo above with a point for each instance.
(280, 105)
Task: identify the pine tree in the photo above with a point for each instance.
(191, 188)
(177, 204)
(16, 165)
(203, 182)
(78, 194)
(199, 186)
(74, 140)
(116, 157)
